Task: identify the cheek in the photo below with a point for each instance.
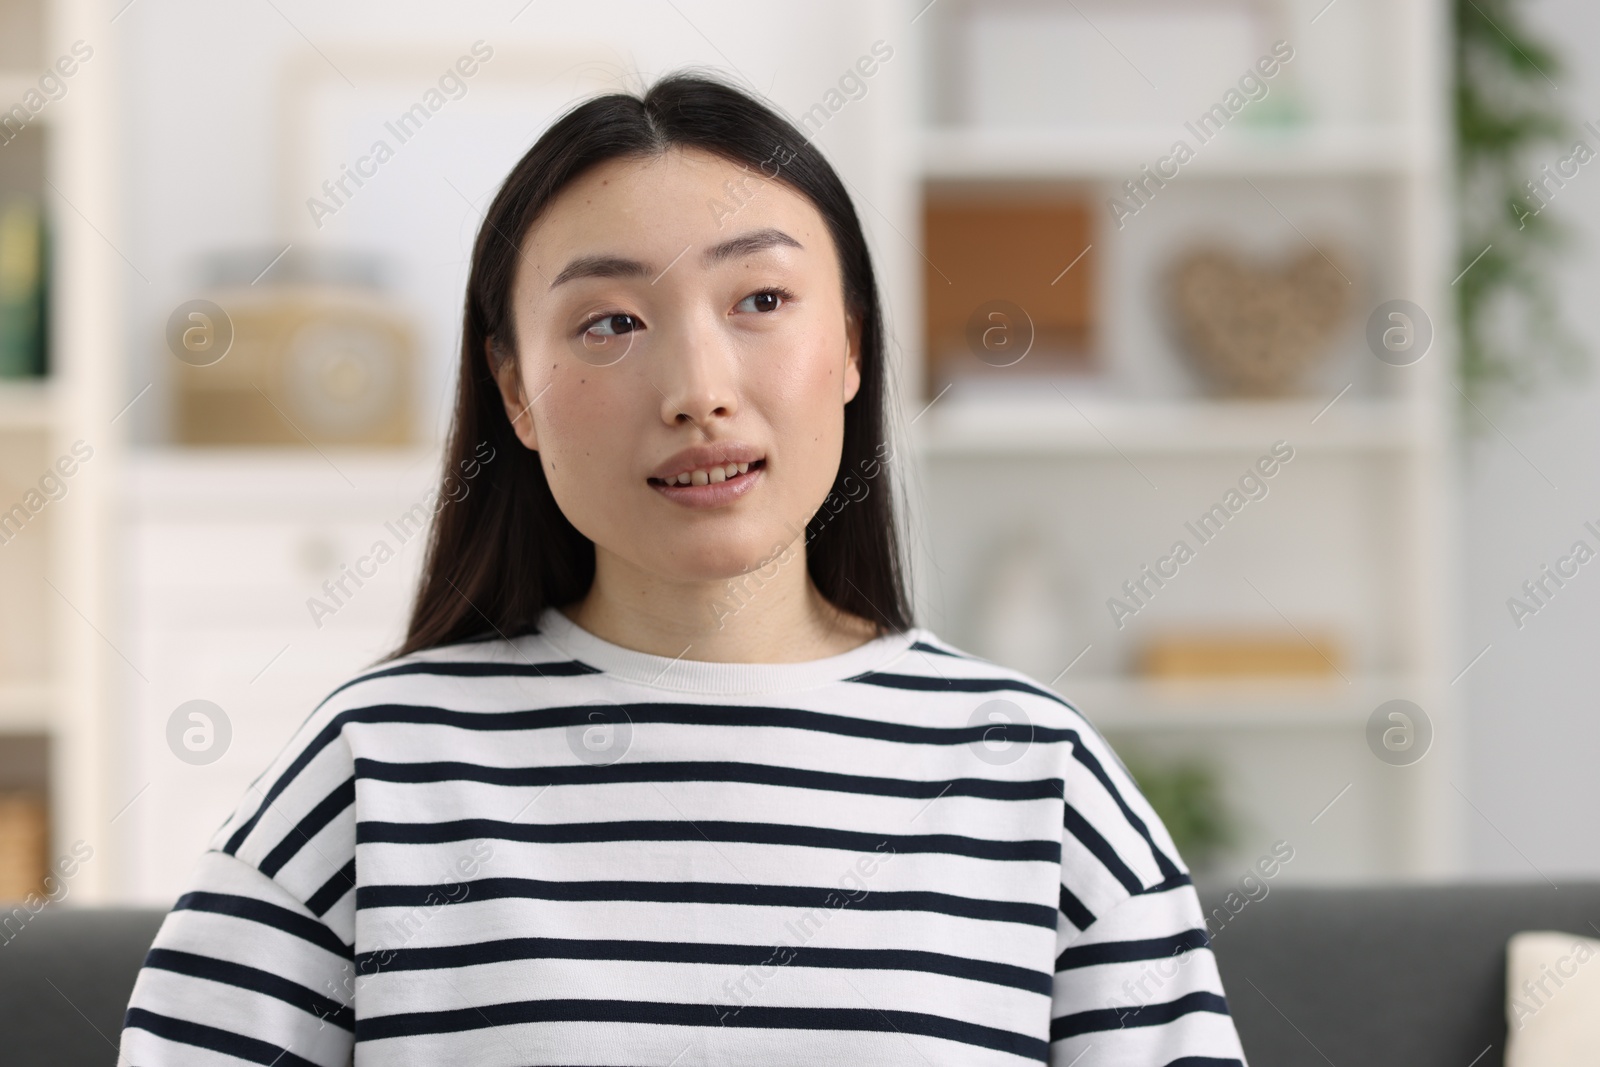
(585, 451)
(808, 415)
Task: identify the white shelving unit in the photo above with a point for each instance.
(1085, 427)
(223, 548)
(24, 406)
(1362, 535)
(1054, 154)
(55, 576)
(25, 707)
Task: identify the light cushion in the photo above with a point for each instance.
(1552, 999)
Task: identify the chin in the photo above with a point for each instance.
(710, 562)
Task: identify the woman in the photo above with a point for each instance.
(663, 772)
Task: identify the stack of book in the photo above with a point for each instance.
(1217, 653)
(23, 279)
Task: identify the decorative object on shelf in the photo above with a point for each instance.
(1255, 330)
(1009, 284)
(1187, 795)
(319, 354)
(1513, 334)
(1216, 653)
(24, 836)
(23, 274)
(1025, 610)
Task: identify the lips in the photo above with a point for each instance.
(708, 494)
(713, 476)
(704, 458)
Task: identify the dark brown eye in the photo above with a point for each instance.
(619, 323)
(766, 300)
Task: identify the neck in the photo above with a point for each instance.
(771, 614)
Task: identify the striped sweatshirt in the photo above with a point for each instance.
(556, 850)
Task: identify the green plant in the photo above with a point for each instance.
(1187, 795)
(1511, 330)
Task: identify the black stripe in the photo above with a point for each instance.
(665, 1014)
(689, 714)
(529, 948)
(559, 718)
(259, 911)
(708, 771)
(473, 669)
(1169, 869)
(343, 880)
(327, 809)
(1202, 1061)
(1177, 881)
(923, 683)
(779, 896)
(1100, 1019)
(313, 749)
(1153, 948)
(226, 1042)
(1099, 848)
(1075, 910)
(259, 981)
(923, 646)
(433, 833)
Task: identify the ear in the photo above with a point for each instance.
(852, 367)
(508, 377)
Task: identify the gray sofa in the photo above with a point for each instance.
(1409, 977)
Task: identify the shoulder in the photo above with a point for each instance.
(455, 684)
(1109, 828)
(988, 692)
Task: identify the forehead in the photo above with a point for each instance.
(658, 207)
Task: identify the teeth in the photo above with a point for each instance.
(710, 475)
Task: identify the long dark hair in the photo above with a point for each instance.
(502, 551)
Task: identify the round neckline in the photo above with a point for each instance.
(717, 676)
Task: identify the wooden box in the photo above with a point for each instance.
(1008, 284)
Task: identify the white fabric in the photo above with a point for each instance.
(1552, 1000)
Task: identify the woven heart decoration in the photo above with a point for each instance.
(1255, 330)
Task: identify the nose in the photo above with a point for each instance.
(696, 375)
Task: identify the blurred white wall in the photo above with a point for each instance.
(1532, 701)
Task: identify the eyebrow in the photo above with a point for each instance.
(603, 266)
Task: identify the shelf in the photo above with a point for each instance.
(14, 84)
(1147, 705)
(955, 153)
(25, 707)
(1055, 425)
(24, 405)
(287, 482)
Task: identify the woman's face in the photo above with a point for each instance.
(675, 315)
